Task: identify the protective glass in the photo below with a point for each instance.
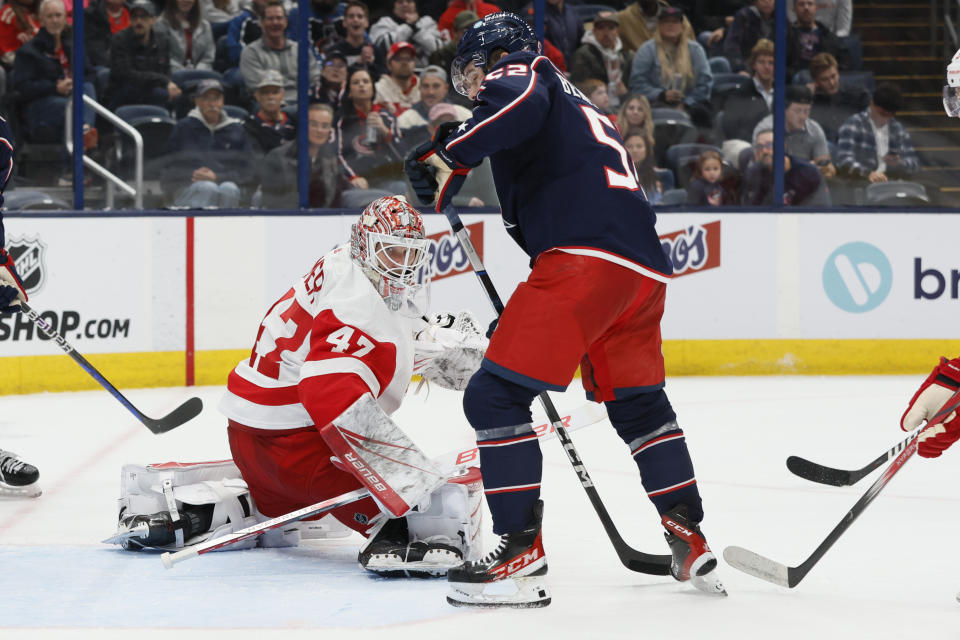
(951, 101)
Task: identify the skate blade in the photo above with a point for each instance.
(139, 531)
(709, 583)
(28, 491)
(518, 593)
(435, 564)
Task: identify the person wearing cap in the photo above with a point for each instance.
(477, 7)
(602, 56)
(405, 24)
(270, 126)
(274, 51)
(749, 25)
(43, 76)
(333, 78)
(673, 71)
(190, 35)
(638, 23)
(400, 88)
(140, 61)
(356, 46)
(434, 90)
(443, 57)
(208, 154)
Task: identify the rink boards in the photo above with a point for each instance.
(157, 301)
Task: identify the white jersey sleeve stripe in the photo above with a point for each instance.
(345, 364)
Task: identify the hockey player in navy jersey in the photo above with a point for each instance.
(17, 478)
(570, 198)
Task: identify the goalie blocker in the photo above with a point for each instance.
(175, 505)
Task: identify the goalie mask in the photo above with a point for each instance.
(388, 243)
(951, 92)
(506, 31)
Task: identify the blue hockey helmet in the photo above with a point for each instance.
(503, 30)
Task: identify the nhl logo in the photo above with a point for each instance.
(27, 254)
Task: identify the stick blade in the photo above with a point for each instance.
(757, 566)
(818, 473)
(650, 564)
(184, 413)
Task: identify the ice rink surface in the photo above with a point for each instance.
(894, 574)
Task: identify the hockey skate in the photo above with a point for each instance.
(514, 575)
(17, 478)
(157, 530)
(692, 558)
(390, 553)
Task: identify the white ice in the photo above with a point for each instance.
(894, 573)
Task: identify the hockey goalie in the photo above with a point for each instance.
(309, 416)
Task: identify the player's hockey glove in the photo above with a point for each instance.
(11, 286)
(942, 383)
(434, 174)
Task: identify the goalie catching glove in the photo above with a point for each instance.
(449, 351)
(434, 175)
(939, 386)
(12, 292)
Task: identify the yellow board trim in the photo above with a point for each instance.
(33, 374)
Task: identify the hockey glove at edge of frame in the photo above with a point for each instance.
(942, 383)
(12, 292)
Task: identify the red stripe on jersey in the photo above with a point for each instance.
(655, 441)
(675, 487)
(267, 396)
(522, 487)
(616, 258)
(508, 441)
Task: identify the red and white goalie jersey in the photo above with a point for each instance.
(326, 342)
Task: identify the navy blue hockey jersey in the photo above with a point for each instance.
(564, 178)
(6, 167)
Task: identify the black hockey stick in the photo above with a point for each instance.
(658, 565)
(188, 410)
(771, 571)
(840, 477)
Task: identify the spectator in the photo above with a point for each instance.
(219, 13)
(190, 36)
(710, 20)
(806, 38)
(804, 137)
(837, 15)
(140, 61)
(366, 132)
(707, 187)
(873, 144)
(596, 92)
(833, 101)
(356, 47)
(43, 76)
(603, 56)
(270, 126)
(478, 189)
(561, 26)
(635, 115)
(750, 24)
(18, 24)
(803, 184)
(638, 23)
(749, 104)
(443, 57)
(478, 7)
(640, 147)
(327, 180)
(274, 51)
(434, 90)
(325, 24)
(208, 154)
(672, 71)
(333, 78)
(400, 89)
(103, 19)
(244, 29)
(405, 24)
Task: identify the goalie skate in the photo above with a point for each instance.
(17, 478)
(391, 554)
(514, 575)
(692, 558)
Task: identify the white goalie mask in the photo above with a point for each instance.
(951, 91)
(388, 242)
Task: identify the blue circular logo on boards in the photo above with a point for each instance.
(857, 277)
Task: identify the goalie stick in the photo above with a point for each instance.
(771, 571)
(633, 559)
(453, 460)
(840, 477)
(186, 411)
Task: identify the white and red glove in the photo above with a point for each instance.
(942, 383)
(11, 287)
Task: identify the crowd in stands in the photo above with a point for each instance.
(688, 83)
